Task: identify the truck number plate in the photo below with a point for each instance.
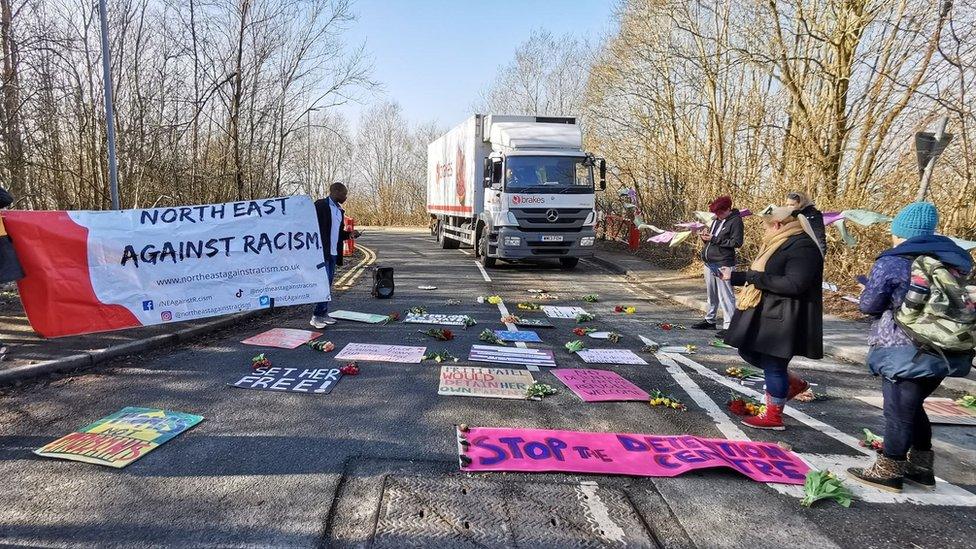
(552, 238)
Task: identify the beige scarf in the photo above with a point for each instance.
(749, 295)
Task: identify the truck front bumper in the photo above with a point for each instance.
(540, 245)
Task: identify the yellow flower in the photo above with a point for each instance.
(494, 299)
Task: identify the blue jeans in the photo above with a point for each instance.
(774, 368)
(322, 309)
(906, 423)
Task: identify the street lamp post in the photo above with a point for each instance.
(113, 174)
(308, 148)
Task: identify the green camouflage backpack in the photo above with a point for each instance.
(939, 311)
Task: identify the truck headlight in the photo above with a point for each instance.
(587, 241)
(514, 241)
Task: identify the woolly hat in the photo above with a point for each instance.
(720, 204)
(915, 219)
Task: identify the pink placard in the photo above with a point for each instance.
(544, 450)
(283, 338)
(599, 385)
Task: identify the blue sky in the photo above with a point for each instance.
(435, 56)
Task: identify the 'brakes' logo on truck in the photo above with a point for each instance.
(518, 200)
(460, 181)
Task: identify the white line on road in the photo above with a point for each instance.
(465, 252)
(503, 310)
(484, 273)
(729, 429)
(594, 508)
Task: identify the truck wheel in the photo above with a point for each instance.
(568, 263)
(446, 243)
(486, 262)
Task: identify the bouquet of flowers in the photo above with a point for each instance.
(260, 361)
(872, 441)
(528, 306)
(350, 369)
(660, 399)
(440, 356)
(591, 298)
(324, 346)
(583, 331)
(510, 319)
(584, 317)
(626, 309)
(575, 346)
(418, 310)
(539, 390)
(393, 317)
(489, 336)
(824, 485)
(439, 334)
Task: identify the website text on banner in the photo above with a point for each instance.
(96, 271)
(543, 450)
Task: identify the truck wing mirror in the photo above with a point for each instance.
(603, 174)
(496, 172)
(487, 172)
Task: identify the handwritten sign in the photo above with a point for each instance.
(438, 319)
(544, 450)
(283, 338)
(484, 382)
(944, 411)
(360, 317)
(610, 356)
(527, 336)
(509, 355)
(381, 353)
(599, 385)
(121, 438)
(297, 380)
(534, 323)
(563, 312)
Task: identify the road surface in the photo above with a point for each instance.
(374, 463)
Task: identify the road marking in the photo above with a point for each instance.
(481, 268)
(465, 252)
(595, 509)
(347, 280)
(945, 493)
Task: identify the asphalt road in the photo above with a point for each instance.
(375, 461)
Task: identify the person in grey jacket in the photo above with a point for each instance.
(721, 238)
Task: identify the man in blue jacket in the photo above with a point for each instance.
(721, 240)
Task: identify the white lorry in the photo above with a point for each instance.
(514, 188)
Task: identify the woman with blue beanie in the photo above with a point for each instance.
(910, 373)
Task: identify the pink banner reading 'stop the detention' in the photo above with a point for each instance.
(544, 450)
(599, 385)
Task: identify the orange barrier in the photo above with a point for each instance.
(349, 246)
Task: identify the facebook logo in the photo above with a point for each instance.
(264, 301)
(147, 305)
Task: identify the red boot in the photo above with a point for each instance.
(771, 419)
(797, 386)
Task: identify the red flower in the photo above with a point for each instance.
(579, 331)
(666, 326)
(350, 369)
(738, 407)
(618, 309)
(446, 335)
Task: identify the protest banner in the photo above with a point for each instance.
(121, 438)
(563, 312)
(509, 355)
(484, 382)
(599, 385)
(93, 271)
(360, 317)
(437, 319)
(610, 356)
(381, 353)
(296, 380)
(283, 338)
(944, 411)
(527, 336)
(544, 450)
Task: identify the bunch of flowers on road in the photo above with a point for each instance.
(744, 406)
(260, 361)
(439, 334)
(349, 369)
(468, 321)
(323, 346)
(584, 317)
(528, 306)
(489, 336)
(393, 317)
(511, 319)
(418, 310)
(625, 309)
(824, 485)
(614, 337)
(583, 331)
(575, 346)
(591, 298)
(660, 399)
(440, 356)
(872, 441)
(539, 390)
(740, 372)
(668, 326)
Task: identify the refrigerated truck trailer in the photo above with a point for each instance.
(514, 188)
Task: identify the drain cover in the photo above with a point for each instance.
(451, 511)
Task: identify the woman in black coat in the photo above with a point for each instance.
(802, 205)
(779, 311)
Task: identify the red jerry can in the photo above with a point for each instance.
(349, 246)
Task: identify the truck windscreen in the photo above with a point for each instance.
(547, 174)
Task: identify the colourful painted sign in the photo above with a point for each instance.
(484, 382)
(544, 450)
(296, 380)
(283, 338)
(381, 353)
(610, 356)
(599, 385)
(526, 336)
(121, 438)
(512, 355)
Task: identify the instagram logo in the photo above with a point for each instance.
(166, 316)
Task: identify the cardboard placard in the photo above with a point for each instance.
(563, 312)
(512, 355)
(296, 380)
(545, 450)
(484, 382)
(534, 323)
(359, 317)
(610, 356)
(599, 385)
(526, 336)
(437, 319)
(944, 411)
(121, 438)
(368, 352)
(282, 338)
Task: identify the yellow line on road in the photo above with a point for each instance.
(347, 280)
